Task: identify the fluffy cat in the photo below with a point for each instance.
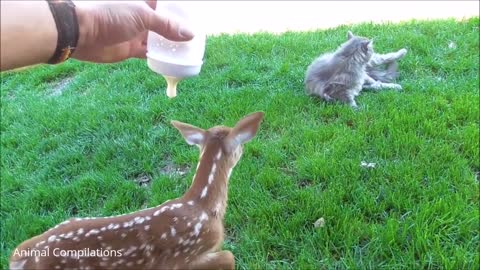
(354, 66)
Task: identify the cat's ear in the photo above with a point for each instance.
(350, 35)
(367, 44)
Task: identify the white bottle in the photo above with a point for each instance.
(176, 60)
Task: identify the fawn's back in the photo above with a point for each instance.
(184, 233)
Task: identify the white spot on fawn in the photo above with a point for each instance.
(210, 178)
(204, 192)
(204, 216)
(51, 238)
(161, 210)
(219, 155)
(164, 236)
(176, 205)
(190, 202)
(198, 227)
(147, 227)
(40, 243)
(130, 250)
(173, 231)
(92, 231)
(139, 220)
(212, 173)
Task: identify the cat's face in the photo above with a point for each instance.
(360, 46)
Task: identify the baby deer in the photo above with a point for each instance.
(184, 233)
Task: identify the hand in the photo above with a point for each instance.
(111, 31)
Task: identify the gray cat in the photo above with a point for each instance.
(354, 66)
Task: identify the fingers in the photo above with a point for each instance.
(138, 46)
(152, 3)
(168, 27)
(139, 52)
(106, 54)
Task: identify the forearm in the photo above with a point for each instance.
(28, 33)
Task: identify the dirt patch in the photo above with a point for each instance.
(59, 86)
(10, 96)
(304, 183)
(231, 237)
(143, 180)
(171, 169)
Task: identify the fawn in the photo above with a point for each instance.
(183, 233)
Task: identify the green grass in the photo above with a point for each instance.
(79, 153)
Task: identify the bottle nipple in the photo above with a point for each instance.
(171, 86)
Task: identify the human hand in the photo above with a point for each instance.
(111, 31)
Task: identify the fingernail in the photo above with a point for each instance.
(185, 33)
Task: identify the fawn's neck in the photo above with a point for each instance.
(210, 183)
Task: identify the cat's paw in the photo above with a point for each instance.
(402, 52)
(397, 87)
(353, 104)
(327, 98)
(356, 108)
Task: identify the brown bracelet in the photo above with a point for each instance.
(63, 12)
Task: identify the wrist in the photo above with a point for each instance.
(29, 35)
(82, 25)
(66, 21)
(84, 28)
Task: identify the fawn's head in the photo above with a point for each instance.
(229, 140)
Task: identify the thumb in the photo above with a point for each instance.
(168, 27)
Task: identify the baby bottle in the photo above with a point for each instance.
(176, 60)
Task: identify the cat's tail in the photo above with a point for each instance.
(387, 75)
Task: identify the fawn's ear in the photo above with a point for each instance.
(191, 134)
(350, 35)
(244, 130)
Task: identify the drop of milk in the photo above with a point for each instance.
(171, 86)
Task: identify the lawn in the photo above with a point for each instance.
(94, 140)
